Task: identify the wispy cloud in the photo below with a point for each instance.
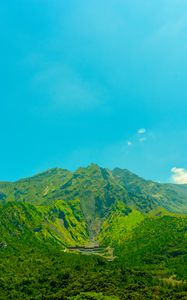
(139, 137)
(141, 131)
(179, 175)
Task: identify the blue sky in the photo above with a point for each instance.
(93, 81)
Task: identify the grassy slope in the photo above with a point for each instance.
(156, 241)
(57, 223)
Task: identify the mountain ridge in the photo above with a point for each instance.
(59, 179)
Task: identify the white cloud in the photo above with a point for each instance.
(141, 130)
(129, 143)
(179, 175)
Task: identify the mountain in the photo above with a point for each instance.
(70, 207)
(143, 221)
(98, 187)
(146, 195)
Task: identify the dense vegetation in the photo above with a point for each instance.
(49, 273)
(144, 222)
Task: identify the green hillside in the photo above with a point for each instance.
(59, 223)
(146, 195)
(142, 222)
(155, 241)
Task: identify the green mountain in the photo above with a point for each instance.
(143, 222)
(71, 206)
(146, 195)
(98, 187)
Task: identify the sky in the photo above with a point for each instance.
(93, 82)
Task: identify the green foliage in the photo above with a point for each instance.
(157, 243)
(48, 273)
(93, 296)
(119, 225)
(60, 222)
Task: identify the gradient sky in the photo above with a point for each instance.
(93, 81)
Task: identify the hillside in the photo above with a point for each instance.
(146, 195)
(143, 221)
